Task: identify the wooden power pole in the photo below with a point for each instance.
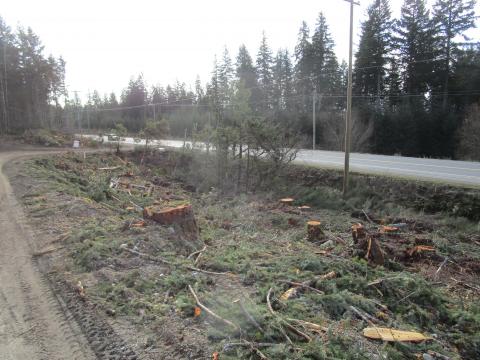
(348, 115)
(314, 122)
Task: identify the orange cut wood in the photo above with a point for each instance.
(387, 334)
(389, 229)
(418, 249)
(181, 217)
(168, 215)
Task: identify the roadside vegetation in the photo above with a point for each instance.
(274, 293)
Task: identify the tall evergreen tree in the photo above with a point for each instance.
(372, 57)
(324, 60)
(303, 68)
(415, 43)
(225, 77)
(245, 70)
(134, 97)
(246, 74)
(451, 18)
(199, 93)
(264, 71)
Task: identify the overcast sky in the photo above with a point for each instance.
(106, 42)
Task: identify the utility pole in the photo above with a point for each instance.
(88, 119)
(77, 115)
(5, 83)
(348, 115)
(314, 123)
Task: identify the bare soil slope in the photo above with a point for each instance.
(32, 322)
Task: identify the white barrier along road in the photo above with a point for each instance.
(443, 171)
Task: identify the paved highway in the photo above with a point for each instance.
(442, 171)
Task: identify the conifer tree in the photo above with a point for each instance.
(452, 18)
(324, 60)
(303, 68)
(415, 44)
(372, 57)
(264, 72)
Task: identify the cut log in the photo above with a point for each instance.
(384, 229)
(314, 231)
(393, 335)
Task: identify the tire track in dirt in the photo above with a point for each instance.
(41, 316)
(29, 321)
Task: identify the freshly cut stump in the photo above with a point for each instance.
(314, 231)
(370, 248)
(358, 232)
(181, 216)
(287, 201)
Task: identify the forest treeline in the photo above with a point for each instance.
(416, 87)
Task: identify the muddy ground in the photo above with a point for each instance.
(128, 281)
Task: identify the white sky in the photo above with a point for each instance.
(105, 42)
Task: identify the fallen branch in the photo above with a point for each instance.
(269, 304)
(166, 262)
(364, 316)
(110, 168)
(440, 268)
(367, 217)
(250, 318)
(303, 285)
(309, 325)
(47, 251)
(286, 323)
(123, 161)
(465, 284)
(270, 308)
(207, 310)
(146, 256)
(249, 343)
(253, 346)
(197, 252)
(137, 206)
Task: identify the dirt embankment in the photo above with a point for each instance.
(420, 195)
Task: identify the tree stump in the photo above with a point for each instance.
(287, 201)
(181, 216)
(314, 231)
(358, 232)
(369, 247)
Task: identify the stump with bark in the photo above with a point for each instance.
(181, 217)
(314, 231)
(358, 232)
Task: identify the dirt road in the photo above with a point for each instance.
(32, 322)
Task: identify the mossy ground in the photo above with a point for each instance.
(262, 246)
